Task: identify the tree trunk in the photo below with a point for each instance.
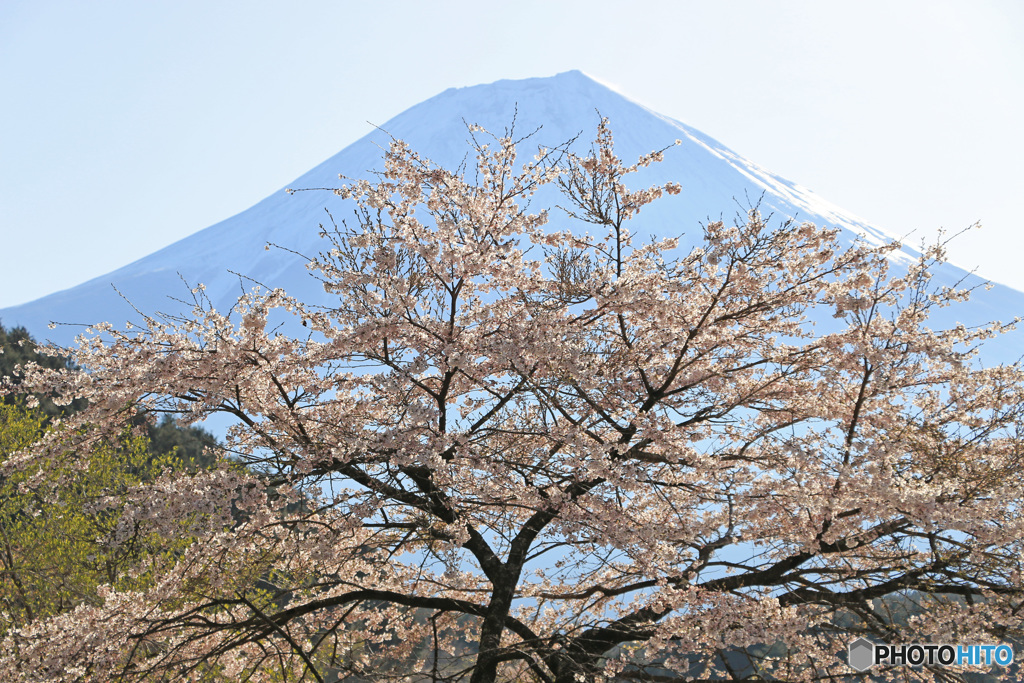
(487, 659)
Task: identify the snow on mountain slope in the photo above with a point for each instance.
(716, 182)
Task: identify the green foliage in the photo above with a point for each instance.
(55, 520)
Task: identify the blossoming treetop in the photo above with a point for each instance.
(513, 450)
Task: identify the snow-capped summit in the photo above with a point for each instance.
(716, 182)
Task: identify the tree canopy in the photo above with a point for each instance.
(511, 449)
(61, 536)
(58, 517)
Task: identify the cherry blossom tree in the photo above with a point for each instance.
(515, 450)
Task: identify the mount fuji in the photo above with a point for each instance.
(717, 183)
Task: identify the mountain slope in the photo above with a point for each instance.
(716, 182)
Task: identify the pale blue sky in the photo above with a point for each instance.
(125, 126)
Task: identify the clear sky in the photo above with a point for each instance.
(127, 125)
